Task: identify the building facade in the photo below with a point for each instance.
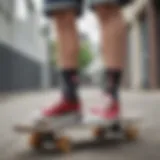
(143, 53)
(24, 61)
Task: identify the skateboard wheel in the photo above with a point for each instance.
(64, 144)
(131, 133)
(99, 133)
(35, 141)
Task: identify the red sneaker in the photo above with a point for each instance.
(63, 108)
(62, 114)
(106, 113)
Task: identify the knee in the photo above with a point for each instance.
(65, 19)
(67, 33)
(109, 14)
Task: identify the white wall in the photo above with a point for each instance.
(4, 29)
(135, 56)
(6, 17)
(24, 35)
(131, 13)
(27, 38)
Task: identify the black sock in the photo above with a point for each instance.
(70, 81)
(112, 81)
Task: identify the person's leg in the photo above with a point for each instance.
(68, 52)
(64, 13)
(113, 46)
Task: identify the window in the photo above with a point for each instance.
(30, 5)
(6, 9)
(21, 9)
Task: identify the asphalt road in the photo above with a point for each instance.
(17, 107)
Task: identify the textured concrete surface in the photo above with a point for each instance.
(17, 107)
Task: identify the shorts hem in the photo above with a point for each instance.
(49, 9)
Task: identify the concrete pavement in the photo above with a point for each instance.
(17, 107)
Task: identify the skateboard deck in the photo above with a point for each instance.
(64, 137)
(44, 128)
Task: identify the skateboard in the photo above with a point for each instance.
(64, 137)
